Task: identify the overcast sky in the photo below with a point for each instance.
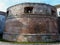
(4, 4)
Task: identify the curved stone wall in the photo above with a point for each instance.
(31, 22)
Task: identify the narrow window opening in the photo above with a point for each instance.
(53, 12)
(28, 9)
(7, 13)
(59, 12)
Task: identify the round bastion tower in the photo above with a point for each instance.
(31, 22)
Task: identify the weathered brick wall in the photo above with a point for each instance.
(31, 27)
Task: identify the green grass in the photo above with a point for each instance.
(2, 40)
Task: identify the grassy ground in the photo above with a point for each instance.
(2, 40)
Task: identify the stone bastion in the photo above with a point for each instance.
(31, 22)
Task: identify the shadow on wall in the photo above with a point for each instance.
(58, 21)
(2, 24)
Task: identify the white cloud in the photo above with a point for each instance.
(2, 6)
